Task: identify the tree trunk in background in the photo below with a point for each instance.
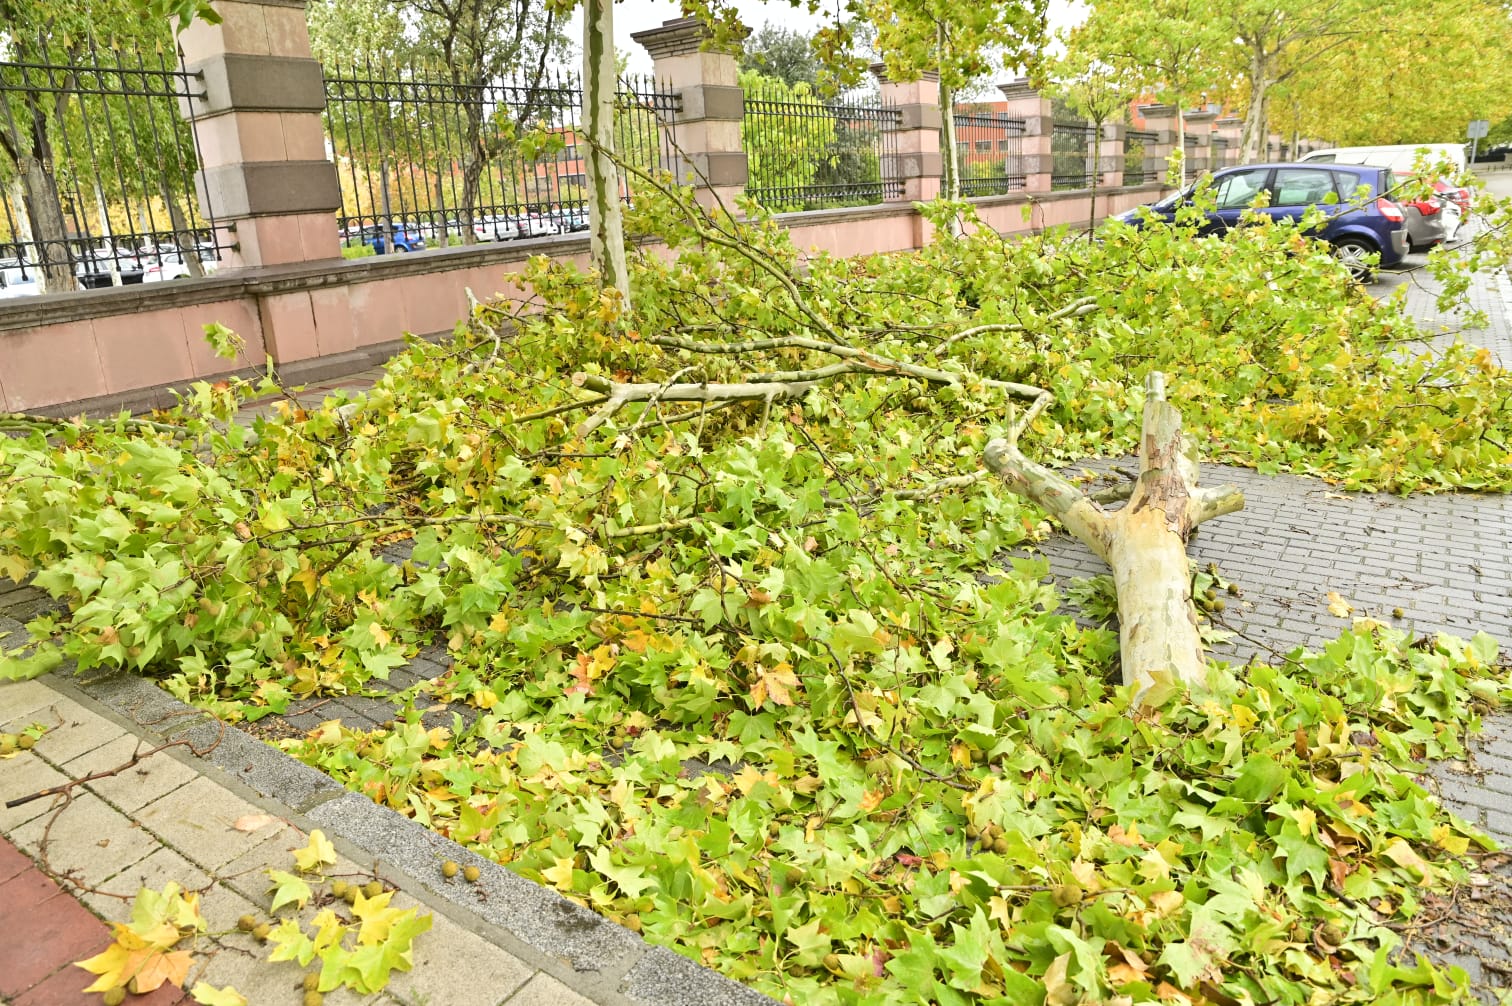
(49, 230)
(1252, 143)
(950, 155)
(606, 221)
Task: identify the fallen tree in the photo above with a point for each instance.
(1144, 542)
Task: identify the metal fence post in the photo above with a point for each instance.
(1026, 103)
(706, 132)
(264, 167)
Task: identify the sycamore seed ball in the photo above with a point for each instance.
(26, 742)
(312, 982)
(373, 889)
(262, 931)
(247, 923)
(350, 896)
(471, 874)
(114, 997)
(7, 743)
(339, 888)
(313, 998)
(449, 869)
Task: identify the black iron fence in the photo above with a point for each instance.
(97, 169)
(804, 152)
(990, 146)
(426, 159)
(1139, 157)
(1073, 155)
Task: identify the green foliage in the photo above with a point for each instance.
(787, 133)
(761, 680)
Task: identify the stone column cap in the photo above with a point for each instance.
(1228, 121)
(1201, 116)
(879, 70)
(1157, 110)
(1019, 87)
(681, 36)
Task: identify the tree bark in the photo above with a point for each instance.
(607, 227)
(49, 230)
(1144, 542)
(1252, 141)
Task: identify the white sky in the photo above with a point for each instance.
(637, 15)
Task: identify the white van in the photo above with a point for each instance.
(1399, 157)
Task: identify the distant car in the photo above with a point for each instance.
(1359, 227)
(570, 219)
(170, 265)
(495, 229)
(406, 239)
(17, 279)
(97, 268)
(537, 225)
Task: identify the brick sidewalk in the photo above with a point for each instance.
(36, 959)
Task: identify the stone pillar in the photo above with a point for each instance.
(1160, 120)
(707, 130)
(1110, 154)
(1199, 129)
(1025, 102)
(264, 173)
(1228, 129)
(919, 161)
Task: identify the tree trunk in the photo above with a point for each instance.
(1252, 143)
(1094, 156)
(1144, 542)
(607, 227)
(950, 160)
(49, 230)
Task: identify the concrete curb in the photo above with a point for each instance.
(601, 961)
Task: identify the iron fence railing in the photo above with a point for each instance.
(1073, 155)
(97, 169)
(991, 153)
(426, 159)
(804, 152)
(1139, 159)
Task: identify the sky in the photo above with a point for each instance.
(637, 15)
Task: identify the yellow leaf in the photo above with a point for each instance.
(1337, 606)
(320, 850)
(209, 995)
(499, 623)
(376, 916)
(380, 634)
(306, 576)
(560, 875)
(1445, 838)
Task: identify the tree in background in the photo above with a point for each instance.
(963, 42)
(783, 54)
(1094, 90)
(471, 46)
(1402, 105)
(1166, 47)
(1274, 40)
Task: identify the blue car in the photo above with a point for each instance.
(1359, 226)
(406, 239)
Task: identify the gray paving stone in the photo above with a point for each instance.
(131, 788)
(670, 979)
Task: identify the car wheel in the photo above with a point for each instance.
(1353, 253)
(401, 249)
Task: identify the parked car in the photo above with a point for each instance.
(1360, 228)
(537, 225)
(571, 218)
(17, 279)
(170, 265)
(406, 239)
(495, 229)
(98, 267)
(1399, 157)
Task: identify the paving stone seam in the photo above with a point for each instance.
(623, 976)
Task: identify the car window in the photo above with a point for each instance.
(1301, 187)
(1240, 188)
